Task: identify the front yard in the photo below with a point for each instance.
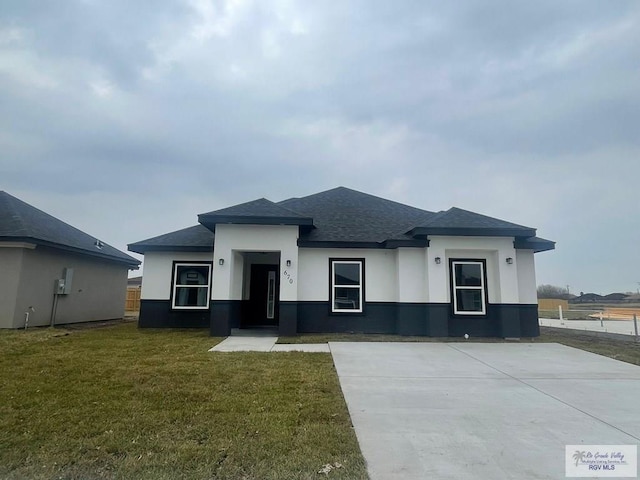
(119, 402)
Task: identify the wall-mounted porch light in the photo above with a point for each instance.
(221, 261)
(438, 260)
(288, 263)
(509, 260)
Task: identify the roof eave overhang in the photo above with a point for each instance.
(142, 249)
(210, 221)
(387, 244)
(538, 245)
(131, 263)
(415, 243)
(420, 232)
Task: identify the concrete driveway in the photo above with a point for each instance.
(481, 410)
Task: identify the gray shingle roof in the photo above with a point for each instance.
(345, 215)
(256, 212)
(347, 218)
(20, 221)
(457, 221)
(192, 239)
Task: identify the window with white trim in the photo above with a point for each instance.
(468, 287)
(347, 292)
(191, 288)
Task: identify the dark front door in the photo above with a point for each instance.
(263, 296)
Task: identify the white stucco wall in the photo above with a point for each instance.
(380, 273)
(393, 275)
(502, 278)
(230, 240)
(156, 281)
(527, 289)
(412, 274)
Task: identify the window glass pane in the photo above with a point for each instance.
(346, 273)
(468, 275)
(191, 297)
(192, 275)
(347, 299)
(469, 300)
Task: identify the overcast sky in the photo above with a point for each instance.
(127, 119)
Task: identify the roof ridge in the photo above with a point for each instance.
(289, 209)
(436, 216)
(261, 199)
(363, 194)
(485, 216)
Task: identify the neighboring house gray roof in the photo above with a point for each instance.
(192, 239)
(21, 222)
(342, 217)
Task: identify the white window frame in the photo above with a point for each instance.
(175, 285)
(360, 286)
(482, 288)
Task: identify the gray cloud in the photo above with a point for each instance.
(127, 120)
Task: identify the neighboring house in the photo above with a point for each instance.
(587, 298)
(615, 297)
(54, 272)
(343, 261)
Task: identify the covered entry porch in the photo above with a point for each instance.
(260, 291)
(254, 288)
(257, 288)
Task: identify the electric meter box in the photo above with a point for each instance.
(67, 274)
(63, 285)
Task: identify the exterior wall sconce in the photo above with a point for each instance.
(509, 260)
(221, 261)
(288, 263)
(438, 260)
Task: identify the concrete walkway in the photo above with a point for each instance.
(264, 342)
(483, 411)
(622, 327)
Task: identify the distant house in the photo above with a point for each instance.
(587, 298)
(54, 272)
(615, 297)
(343, 261)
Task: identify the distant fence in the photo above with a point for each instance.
(132, 303)
(552, 304)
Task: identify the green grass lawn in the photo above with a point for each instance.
(625, 350)
(119, 402)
